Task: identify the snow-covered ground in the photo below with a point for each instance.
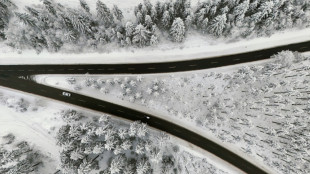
(194, 47)
(222, 104)
(37, 120)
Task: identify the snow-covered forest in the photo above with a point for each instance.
(39, 136)
(261, 109)
(53, 27)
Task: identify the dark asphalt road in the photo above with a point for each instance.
(131, 114)
(11, 81)
(145, 68)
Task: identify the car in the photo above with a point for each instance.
(67, 94)
(147, 117)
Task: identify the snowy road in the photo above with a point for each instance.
(145, 68)
(127, 113)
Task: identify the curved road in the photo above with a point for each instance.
(11, 81)
(131, 114)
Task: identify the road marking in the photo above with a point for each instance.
(214, 62)
(28, 70)
(131, 68)
(120, 111)
(101, 106)
(151, 68)
(172, 67)
(21, 70)
(303, 48)
(82, 100)
(236, 59)
(193, 65)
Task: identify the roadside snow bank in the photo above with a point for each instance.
(195, 47)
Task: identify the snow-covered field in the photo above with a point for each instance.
(258, 109)
(37, 121)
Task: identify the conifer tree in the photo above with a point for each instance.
(217, 25)
(166, 20)
(117, 13)
(84, 5)
(104, 14)
(177, 30)
(141, 36)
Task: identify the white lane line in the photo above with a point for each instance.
(193, 65)
(236, 59)
(172, 67)
(82, 100)
(120, 111)
(21, 70)
(151, 68)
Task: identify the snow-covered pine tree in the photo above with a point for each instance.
(48, 4)
(240, 10)
(266, 8)
(85, 167)
(143, 166)
(26, 19)
(104, 14)
(79, 21)
(217, 25)
(118, 164)
(139, 17)
(177, 30)
(129, 29)
(6, 8)
(153, 41)
(117, 13)
(141, 36)
(148, 22)
(84, 5)
(165, 21)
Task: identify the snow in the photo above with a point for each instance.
(195, 45)
(155, 106)
(41, 121)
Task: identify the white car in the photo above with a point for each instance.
(147, 117)
(67, 94)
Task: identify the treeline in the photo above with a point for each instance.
(52, 26)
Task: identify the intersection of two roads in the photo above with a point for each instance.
(9, 78)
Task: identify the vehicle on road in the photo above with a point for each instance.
(67, 94)
(147, 117)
